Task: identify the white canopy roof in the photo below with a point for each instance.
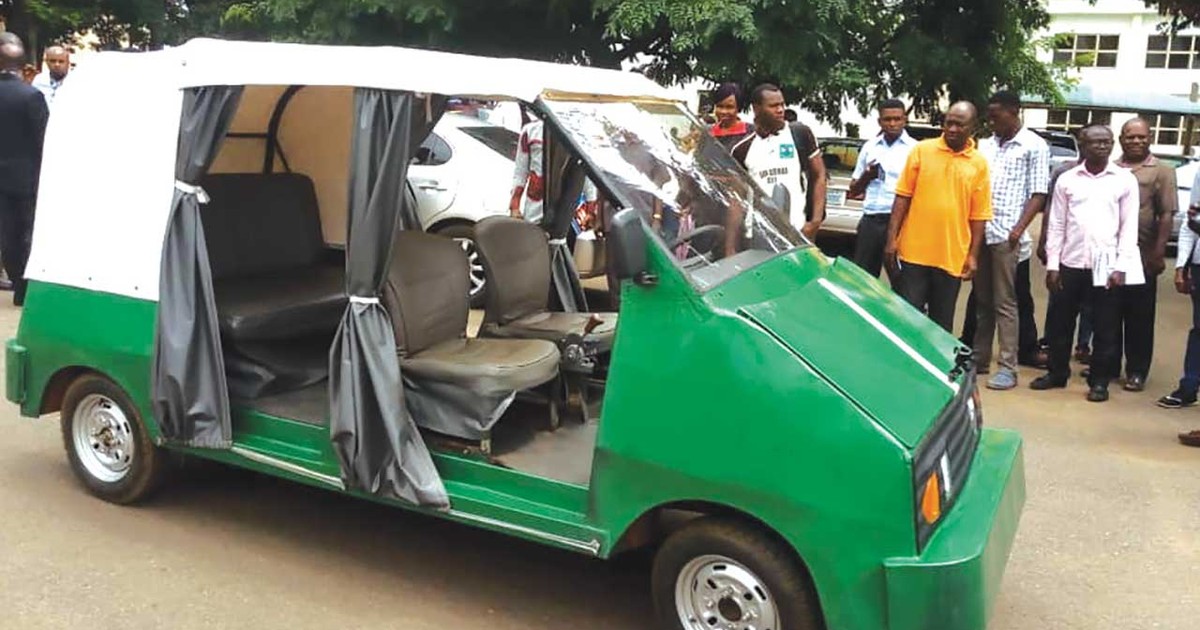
(108, 166)
(218, 62)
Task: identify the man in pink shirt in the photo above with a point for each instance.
(1091, 248)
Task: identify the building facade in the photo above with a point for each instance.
(1128, 65)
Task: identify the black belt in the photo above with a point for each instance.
(876, 216)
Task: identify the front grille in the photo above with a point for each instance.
(955, 435)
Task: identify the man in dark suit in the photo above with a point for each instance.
(23, 115)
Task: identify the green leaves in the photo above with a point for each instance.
(824, 53)
(827, 53)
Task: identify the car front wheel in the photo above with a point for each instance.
(722, 574)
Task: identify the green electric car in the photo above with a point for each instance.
(239, 278)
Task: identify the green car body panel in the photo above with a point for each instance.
(793, 394)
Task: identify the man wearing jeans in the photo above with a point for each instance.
(1019, 164)
(1187, 280)
(1091, 248)
(880, 163)
(943, 200)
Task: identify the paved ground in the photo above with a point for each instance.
(1109, 538)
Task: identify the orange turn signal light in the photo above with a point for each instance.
(931, 500)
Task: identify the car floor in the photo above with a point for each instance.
(521, 442)
(309, 405)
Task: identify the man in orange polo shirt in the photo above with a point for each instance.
(943, 200)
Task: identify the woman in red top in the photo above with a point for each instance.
(729, 128)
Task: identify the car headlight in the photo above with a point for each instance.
(942, 462)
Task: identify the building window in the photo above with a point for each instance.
(1166, 129)
(1177, 52)
(1071, 120)
(1099, 51)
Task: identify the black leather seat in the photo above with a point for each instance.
(426, 296)
(516, 259)
(266, 253)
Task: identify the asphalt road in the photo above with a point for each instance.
(1110, 538)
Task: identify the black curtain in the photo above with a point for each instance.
(188, 385)
(377, 443)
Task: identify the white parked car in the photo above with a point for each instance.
(461, 174)
(1185, 175)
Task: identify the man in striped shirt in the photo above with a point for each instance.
(1019, 166)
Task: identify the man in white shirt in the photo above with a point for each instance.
(1187, 281)
(58, 64)
(781, 154)
(1019, 166)
(880, 162)
(528, 181)
(1091, 249)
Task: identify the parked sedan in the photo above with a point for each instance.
(841, 212)
(461, 174)
(1185, 175)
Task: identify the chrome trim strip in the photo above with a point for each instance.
(295, 469)
(592, 546)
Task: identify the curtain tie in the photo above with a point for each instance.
(191, 189)
(359, 299)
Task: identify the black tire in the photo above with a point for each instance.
(770, 560)
(147, 465)
(466, 231)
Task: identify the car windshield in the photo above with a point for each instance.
(499, 139)
(703, 207)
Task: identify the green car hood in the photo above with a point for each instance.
(856, 332)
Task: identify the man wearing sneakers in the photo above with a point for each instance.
(1019, 165)
(1187, 281)
(1091, 249)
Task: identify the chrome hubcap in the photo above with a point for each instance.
(103, 438)
(474, 265)
(715, 593)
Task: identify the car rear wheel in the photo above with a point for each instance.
(464, 234)
(722, 574)
(107, 443)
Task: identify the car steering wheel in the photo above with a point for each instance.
(704, 229)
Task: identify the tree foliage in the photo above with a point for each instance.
(825, 53)
(1183, 13)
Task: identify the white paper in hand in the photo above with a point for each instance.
(1104, 263)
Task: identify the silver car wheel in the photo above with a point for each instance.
(103, 438)
(715, 593)
(474, 266)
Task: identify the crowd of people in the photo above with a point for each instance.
(958, 208)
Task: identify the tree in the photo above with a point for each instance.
(561, 30)
(1183, 13)
(116, 23)
(826, 53)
